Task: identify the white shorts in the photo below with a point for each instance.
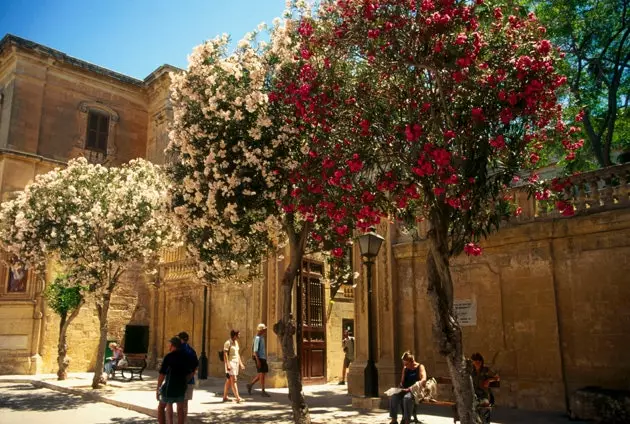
(234, 365)
(189, 391)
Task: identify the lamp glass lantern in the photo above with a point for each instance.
(370, 243)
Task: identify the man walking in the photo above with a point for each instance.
(193, 364)
(260, 356)
(175, 373)
(348, 348)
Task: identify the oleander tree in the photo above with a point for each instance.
(96, 222)
(66, 301)
(256, 167)
(455, 99)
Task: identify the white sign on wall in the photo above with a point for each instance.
(466, 312)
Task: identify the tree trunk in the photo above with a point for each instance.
(102, 309)
(447, 330)
(62, 348)
(285, 329)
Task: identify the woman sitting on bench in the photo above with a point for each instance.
(412, 372)
(112, 361)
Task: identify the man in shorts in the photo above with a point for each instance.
(175, 373)
(348, 349)
(260, 356)
(194, 364)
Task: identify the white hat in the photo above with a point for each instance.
(262, 327)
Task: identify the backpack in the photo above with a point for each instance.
(220, 355)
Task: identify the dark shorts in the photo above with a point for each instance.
(264, 368)
(346, 362)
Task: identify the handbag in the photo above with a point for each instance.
(220, 355)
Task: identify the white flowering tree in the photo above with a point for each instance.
(256, 166)
(95, 221)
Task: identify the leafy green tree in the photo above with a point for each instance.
(66, 301)
(595, 36)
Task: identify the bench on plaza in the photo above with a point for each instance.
(448, 381)
(136, 364)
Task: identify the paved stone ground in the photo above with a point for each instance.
(23, 403)
(328, 403)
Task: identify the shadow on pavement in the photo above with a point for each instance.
(25, 397)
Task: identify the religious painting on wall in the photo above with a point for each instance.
(17, 281)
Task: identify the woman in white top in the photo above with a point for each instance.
(232, 361)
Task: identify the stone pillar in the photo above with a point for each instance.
(386, 308)
(271, 313)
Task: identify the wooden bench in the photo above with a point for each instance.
(439, 381)
(136, 364)
(483, 410)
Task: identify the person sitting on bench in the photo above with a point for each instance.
(112, 361)
(412, 372)
(482, 376)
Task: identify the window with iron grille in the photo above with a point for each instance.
(97, 131)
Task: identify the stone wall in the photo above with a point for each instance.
(551, 301)
(129, 306)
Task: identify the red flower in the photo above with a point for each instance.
(565, 208)
(337, 252)
(498, 142)
(472, 249)
(448, 134)
(306, 54)
(438, 191)
(518, 211)
(355, 164)
(413, 133)
(477, 114)
(365, 127)
(316, 237)
(544, 47)
(342, 230)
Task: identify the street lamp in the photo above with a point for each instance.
(370, 244)
(203, 358)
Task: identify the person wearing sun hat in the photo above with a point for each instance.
(259, 355)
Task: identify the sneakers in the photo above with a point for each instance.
(264, 394)
(249, 388)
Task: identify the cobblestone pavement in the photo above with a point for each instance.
(23, 403)
(328, 403)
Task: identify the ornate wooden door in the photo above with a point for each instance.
(311, 308)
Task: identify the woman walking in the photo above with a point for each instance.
(233, 362)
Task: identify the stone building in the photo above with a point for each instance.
(54, 107)
(546, 304)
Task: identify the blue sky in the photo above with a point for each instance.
(132, 36)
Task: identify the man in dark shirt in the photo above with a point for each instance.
(175, 373)
(194, 364)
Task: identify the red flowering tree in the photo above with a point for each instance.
(448, 102)
(257, 165)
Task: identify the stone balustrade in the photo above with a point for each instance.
(588, 192)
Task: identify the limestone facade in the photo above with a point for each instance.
(550, 298)
(46, 98)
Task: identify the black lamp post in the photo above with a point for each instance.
(370, 244)
(203, 358)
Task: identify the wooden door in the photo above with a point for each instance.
(311, 308)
